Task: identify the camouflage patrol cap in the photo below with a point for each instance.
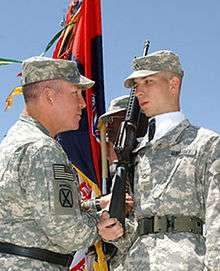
(38, 68)
(153, 63)
(116, 105)
(114, 116)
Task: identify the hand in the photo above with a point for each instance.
(109, 228)
(129, 204)
(105, 201)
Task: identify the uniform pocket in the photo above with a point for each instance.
(160, 188)
(184, 160)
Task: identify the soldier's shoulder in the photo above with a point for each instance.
(209, 134)
(204, 133)
(206, 140)
(45, 144)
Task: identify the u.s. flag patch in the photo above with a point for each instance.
(62, 172)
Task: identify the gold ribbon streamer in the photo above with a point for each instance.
(101, 264)
(9, 101)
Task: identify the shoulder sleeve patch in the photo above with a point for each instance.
(65, 190)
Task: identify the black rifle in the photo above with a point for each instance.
(125, 143)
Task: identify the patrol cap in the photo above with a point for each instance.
(114, 116)
(163, 60)
(117, 105)
(38, 68)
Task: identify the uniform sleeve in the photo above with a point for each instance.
(123, 244)
(126, 241)
(212, 257)
(89, 205)
(52, 193)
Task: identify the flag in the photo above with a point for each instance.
(81, 40)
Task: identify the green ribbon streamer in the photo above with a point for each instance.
(56, 37)
(8, 61)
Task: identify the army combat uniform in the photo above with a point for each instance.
(176, 190)
(39, 199)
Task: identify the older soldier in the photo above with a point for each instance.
(40, 215)
(177, 178)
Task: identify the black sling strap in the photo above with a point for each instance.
(37, 254)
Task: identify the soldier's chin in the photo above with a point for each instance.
(75, 127)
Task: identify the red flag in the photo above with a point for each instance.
(81, 40)
(87, 49)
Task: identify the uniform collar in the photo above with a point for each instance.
(34, 122)
(169, 139)
(167, 122)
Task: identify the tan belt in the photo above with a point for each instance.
(170, 224)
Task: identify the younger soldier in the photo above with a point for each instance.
(177, 178)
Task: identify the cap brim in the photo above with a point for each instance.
(110, 113)
(129, 81)
(85, 83)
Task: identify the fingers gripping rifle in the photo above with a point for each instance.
(125, 143)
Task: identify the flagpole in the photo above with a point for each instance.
(102, 129)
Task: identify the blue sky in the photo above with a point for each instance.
(190, 28)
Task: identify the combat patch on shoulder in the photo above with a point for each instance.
(65, 194)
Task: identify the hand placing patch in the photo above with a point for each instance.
(64, 189)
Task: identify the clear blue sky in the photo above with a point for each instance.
(190, 28)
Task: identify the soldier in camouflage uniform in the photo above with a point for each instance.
(177, 179)
(112, 120)
(40, 216)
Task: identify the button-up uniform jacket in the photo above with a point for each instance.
(39, 198)
(178, 174)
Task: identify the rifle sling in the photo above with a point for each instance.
(37, 254)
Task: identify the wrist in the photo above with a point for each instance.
(98, 204)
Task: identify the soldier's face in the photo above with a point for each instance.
(69, 104)
(155, 94)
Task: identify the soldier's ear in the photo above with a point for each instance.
(175, 85)
(49, 95)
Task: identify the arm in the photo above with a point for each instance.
(212, 258)
(53, 196)
(96, 204)
(126, 241)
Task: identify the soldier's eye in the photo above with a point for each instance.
(148, 82)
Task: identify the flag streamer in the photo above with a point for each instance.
(8, 61)
(56, 37)
(9, 101)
